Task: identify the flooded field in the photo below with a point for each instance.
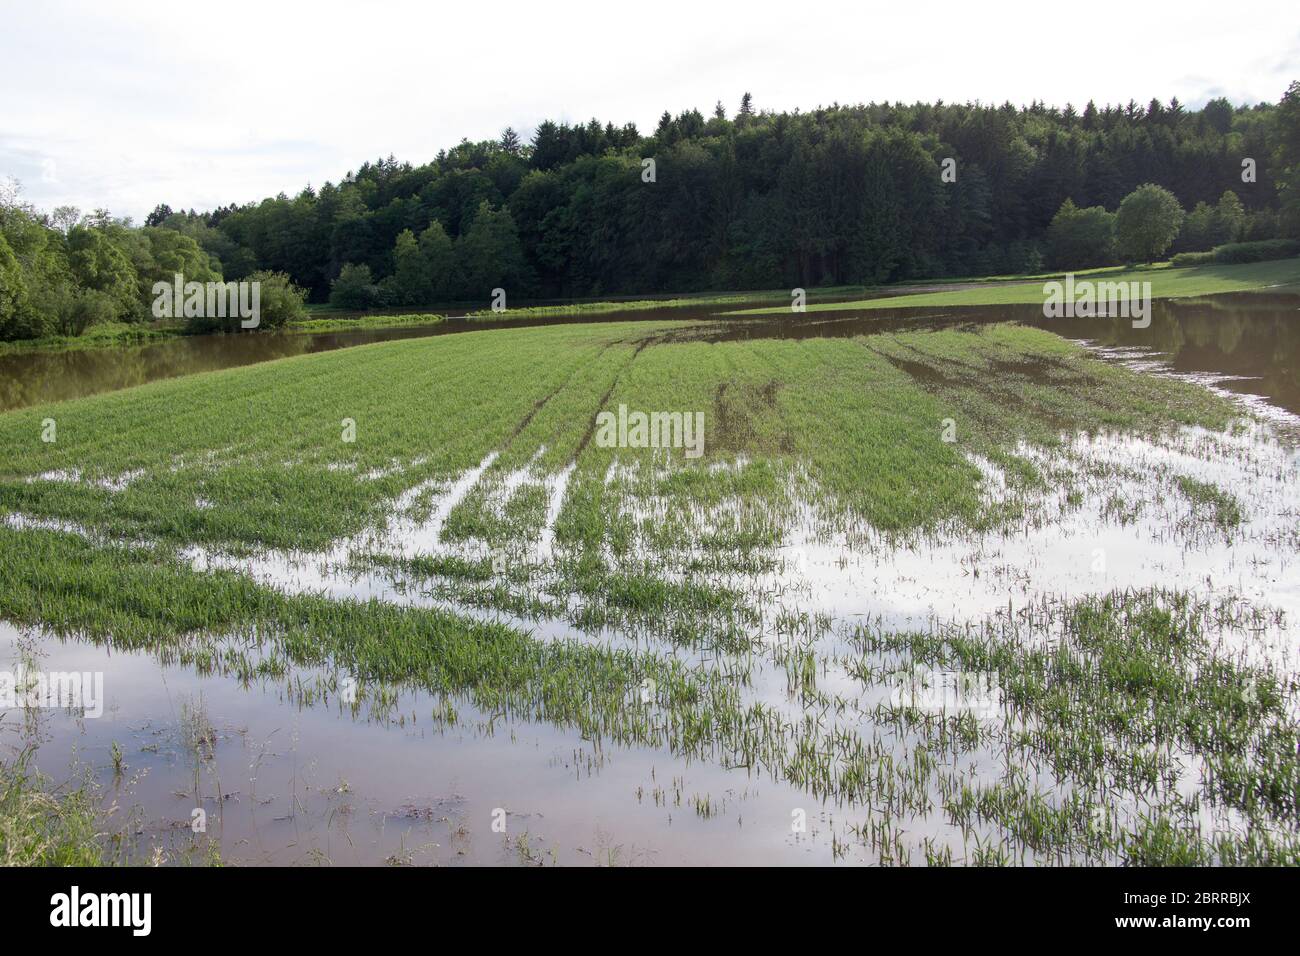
(944, 587)
(35, 377)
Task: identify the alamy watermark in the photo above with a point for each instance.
(651, 430)
(1088, 300)
(940, 691)
(129, 910)
(78, 690)
(208, 300)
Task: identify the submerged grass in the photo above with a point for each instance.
(1131, 697)
(1126, 698)
(1223, 508)
(79, 822)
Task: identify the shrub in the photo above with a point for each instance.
(1185, 259)
(82, 308)
(1261, 251)
(354, 288)
(281, 300)
(1147, 223)
(1238, 252)
(1081, 238)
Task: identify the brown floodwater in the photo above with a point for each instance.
(285, 781)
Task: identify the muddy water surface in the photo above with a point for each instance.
(284, 780)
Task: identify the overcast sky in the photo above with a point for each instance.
(125, 106)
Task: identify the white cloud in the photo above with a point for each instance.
(197, 107)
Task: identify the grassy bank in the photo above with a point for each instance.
(77, 823)
(1166, 283)
(41, 825)
(108, 335)
(699, 301)
(328, 324)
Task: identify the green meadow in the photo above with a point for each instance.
(1166, 283)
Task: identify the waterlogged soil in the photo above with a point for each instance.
(286, 771)
(1247, 343)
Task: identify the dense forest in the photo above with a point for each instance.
(837, 196)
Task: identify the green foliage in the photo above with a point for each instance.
(410, 282)
(161, 254)
(99, 262)
(282, 302)
(1208, 226)
(79, 309)
(424, 270)
(233, 260)
(846, 195)
(1081, 238)
(1240, 252)
(489, 255)
(14, 307)
(40, 826)
(279, 303)
(1286, 156)
(438, 262)
(1200, 229)
(1187, 260)
(1147, 223)
(38, 294)
(354, 288)
(1263, 251)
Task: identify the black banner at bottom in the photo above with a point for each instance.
(336, 905)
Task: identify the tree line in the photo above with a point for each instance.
(842, 195)
(63, 272)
